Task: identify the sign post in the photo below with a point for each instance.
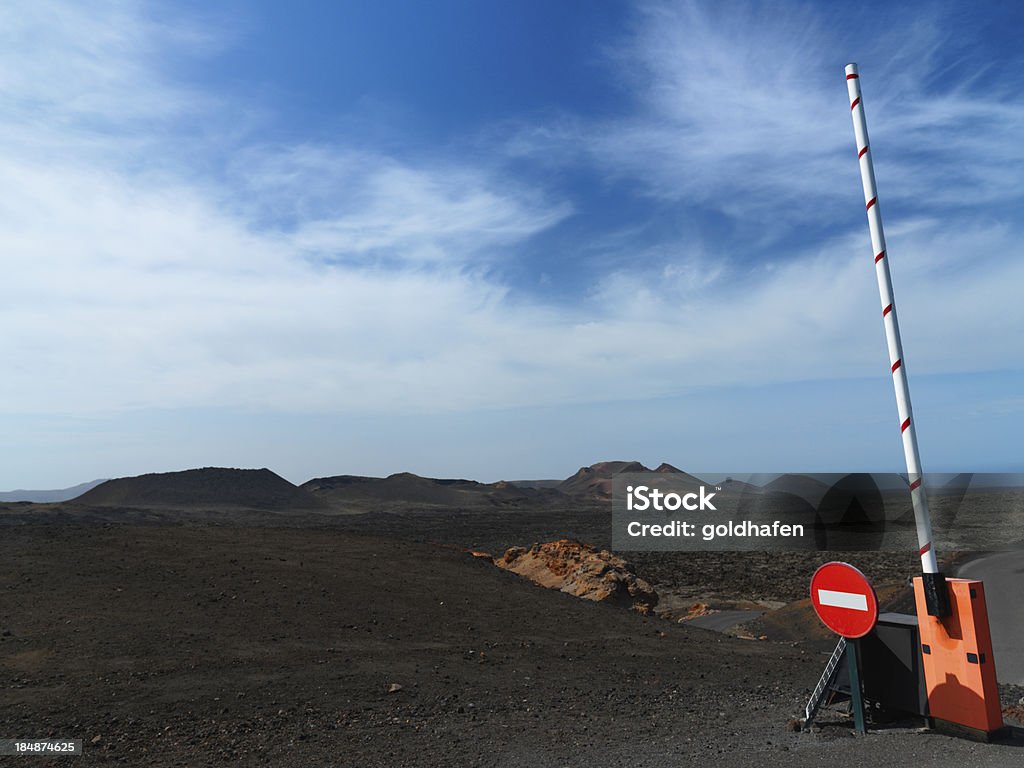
(846, 603)
(856, 698)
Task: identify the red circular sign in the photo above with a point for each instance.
(844, 600)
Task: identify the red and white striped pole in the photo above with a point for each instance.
(892, 327)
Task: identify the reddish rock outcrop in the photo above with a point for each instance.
(580, 570)
(697, 610)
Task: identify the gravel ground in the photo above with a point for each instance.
(245, 643)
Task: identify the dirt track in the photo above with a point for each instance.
(198, 645)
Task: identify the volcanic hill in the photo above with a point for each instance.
(406, 489)
(595, 481)
(201, 488)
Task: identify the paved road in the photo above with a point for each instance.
(724, 620)
(1003, 574)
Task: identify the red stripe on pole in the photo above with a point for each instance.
(916, 484)
(852, 77)
(871, 202)
(887, 310)
(879, 257)
(926, 547)
(904, 425)
(861, 153)
(896, 365)
(855, 103)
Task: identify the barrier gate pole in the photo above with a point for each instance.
(935, 585)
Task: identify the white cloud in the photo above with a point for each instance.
(728, 110)
(122, 293)
(344, 204)
(319, 277)
(330, 278)
(739, 106)
(90, 80)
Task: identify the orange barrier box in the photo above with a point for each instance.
(956, 652)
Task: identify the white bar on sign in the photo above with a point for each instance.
(852, 600)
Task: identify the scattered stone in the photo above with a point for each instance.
(394, 688)
(1016, 713)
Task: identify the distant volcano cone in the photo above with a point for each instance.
(202, 488)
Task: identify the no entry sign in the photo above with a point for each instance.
(844, 600)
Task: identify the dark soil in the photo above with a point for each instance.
(165, 640)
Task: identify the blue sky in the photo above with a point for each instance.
(501, 240)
